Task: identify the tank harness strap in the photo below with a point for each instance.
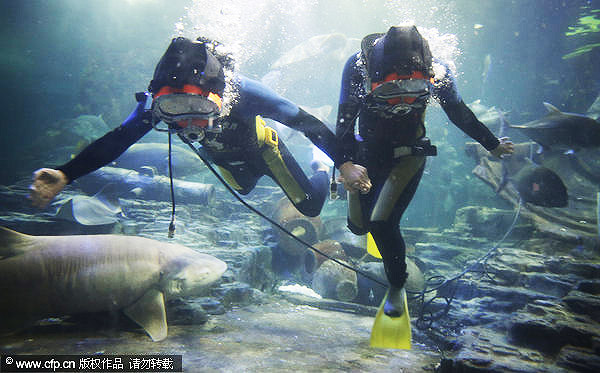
(423, 147)
(268, 139)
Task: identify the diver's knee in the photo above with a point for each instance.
(357, 229)
(243, 191)
(380, 226)
(309, 208)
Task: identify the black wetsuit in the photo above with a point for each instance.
(394, 178)
(242, 158)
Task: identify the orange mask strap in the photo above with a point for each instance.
(188, 88)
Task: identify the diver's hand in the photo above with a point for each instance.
(505, 147)
(47, 183)
(354, 177)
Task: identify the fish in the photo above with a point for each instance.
(127, 183)
(156, 155)
(594, 110)
(562, 131)
(45, 276)
(535, 184)
(99, 209)
(541, 186)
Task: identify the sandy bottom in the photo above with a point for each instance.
(273, 337)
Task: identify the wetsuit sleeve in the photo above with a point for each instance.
(348, 109)
(258, 99)
(110, 146)
(458, 112)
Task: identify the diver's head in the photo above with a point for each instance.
(399, 68)
(401, 50)
(188, 62)
(406, 51)
(187, 86)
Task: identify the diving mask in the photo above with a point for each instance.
(186, 111)
(408, 90)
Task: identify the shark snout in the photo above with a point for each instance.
(193, 278)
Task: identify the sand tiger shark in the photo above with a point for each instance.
(43, 276)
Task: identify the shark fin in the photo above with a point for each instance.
(372, 247)
(149, 312)
(391, 332)
(551, 108)
(13, 243)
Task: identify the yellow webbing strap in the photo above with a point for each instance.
(268, 136)
(229, 178)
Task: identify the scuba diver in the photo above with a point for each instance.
(386, 86)
(189, 96)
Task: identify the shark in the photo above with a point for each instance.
(124, 183)
(562, 131)
(156, 155)
(46, 276)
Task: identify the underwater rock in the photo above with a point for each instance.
(329, 247)
(186, 312)
(590, 287)
(331, 280)
(303, 227)
(372, 293)
(337, 229)
(251, 265)
(547, 283)
(238, 293)
(487, 222)
(583, 269)
(584, 304)
(330, 304)
(576, 223)
(484, 350)
(550, 329)
(79, 132)
(578, 359)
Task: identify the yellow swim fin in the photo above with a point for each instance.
(372, 247)
(391, 332)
